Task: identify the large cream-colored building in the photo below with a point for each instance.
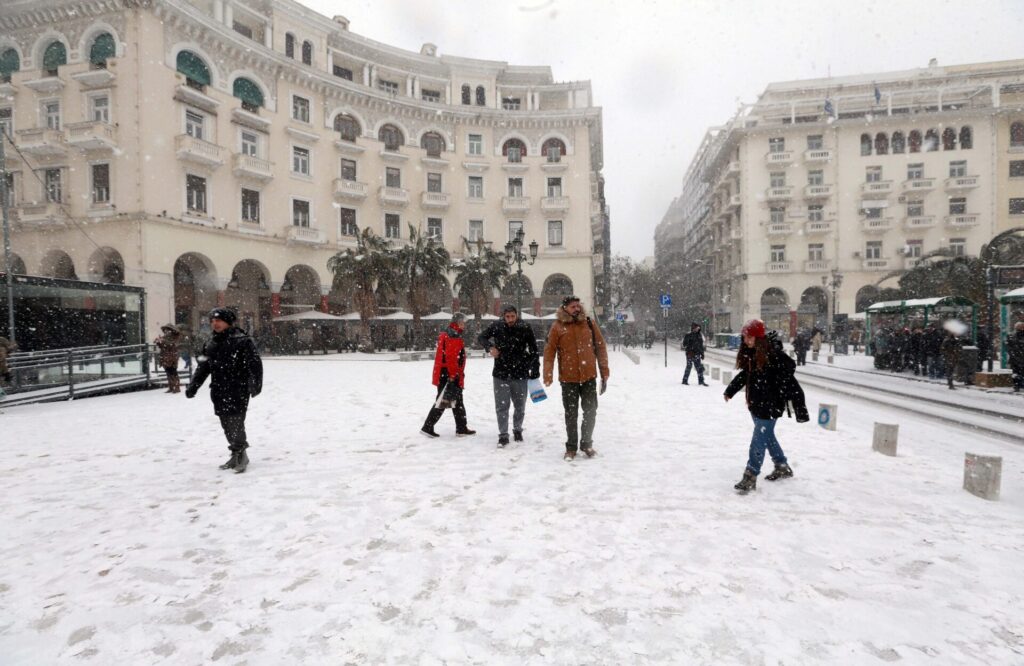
(221, 151)
(846, 181)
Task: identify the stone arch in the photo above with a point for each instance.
(331, 120)
(254, 79)
(813, 309)
(106, 265)
(402, 130)
(248, 292)
(550, 139)
(249, 90)
(195, 290)
(301, 287)
(43, 42)
(556, 287)
(775, 309)
(11, 58)
(58, 264)
(17, 264)
(88, 38)
(444, 136)
(866, 296)
(215, 74)
(505, 138)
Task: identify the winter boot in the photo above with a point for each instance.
(243, 462)
(428, 431)
(517, 435)
(702, 382)
(464, 432)
(502, 441)
(685, 383)
(569, 456)
(588, 451)
(747, 483)
(232, 461)
(782, 471)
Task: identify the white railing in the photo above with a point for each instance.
(779, 266)
(919, 222)
(818, 155)
(514, 204)
(877, 187)
(961, 182)
(818, 191)
(819, 266)
(875, 264)
(349, 188)
(395, 195)
(877, 224)
(554, 203)
(189, 147)
(305, 235)
(779, 228)
(822, 227)
(960, 221)
(785, 192)
(435, 200)
(92, 132)
(253, 166)
(784, 156)
(919, 184)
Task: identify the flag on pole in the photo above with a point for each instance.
(878, 95)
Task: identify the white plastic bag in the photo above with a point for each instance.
(536, 390)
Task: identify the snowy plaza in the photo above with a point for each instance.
(352, 539)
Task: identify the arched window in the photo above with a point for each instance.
(391, 137)
(467, 95)
(949, 139)
(514, 149)
(931, 140)
(103, 47)
(54, 56)
(865, 144)
(966, 138)
(249, 93)
(347, 126)
(307, 53)
(9, 63)
(553, 150)
(197, 74)
(433, 143)
(1017, 134)
(289, 45)
(914, 141)
(881, 144)
(481, 96)
(899, 144)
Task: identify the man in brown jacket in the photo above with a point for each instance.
(582, 355)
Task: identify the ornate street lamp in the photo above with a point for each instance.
(514, 256)
(835, 282)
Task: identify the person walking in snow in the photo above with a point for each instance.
(766, 376)
(169, 344)
(449, 377)
(816, 340)
(1015, 351)
(582, 355)
(693, 345)
(235, 369)
(801, 343)
(951, 348)
(513, 346)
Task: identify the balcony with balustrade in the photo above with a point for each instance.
(818, 155)
(879, 264)
(964, 221)
(819, 191)
(305, 235)
(817, 266)
(40, 214)
(919, 222)
(554, 204)
(960, 183)
(92, 136)
(349, 189)
(782, 157)
(515, 204)
(197, 151)
(818, 227)
(393, 196)
(247, 166)
(779, 267)
(919, 185)
(877, 188)
(42, 142)
(783, 193)
(876, 225)
(779, 228)
(435, 200)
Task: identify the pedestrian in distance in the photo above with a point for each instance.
(449, 377)
(766, 375)
(235, 369)
(915, 350)
(1015, 351)
(933, 351)
(801, 343)
(693, 345)
(513, 346)
(816, 340)
(951, 348)
(582, 356)
(6, 347)
(169, 344)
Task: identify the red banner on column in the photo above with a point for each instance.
(323, 304)
(275, 305)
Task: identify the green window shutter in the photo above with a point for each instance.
(193, 67)
(248, 92)
(54, 56)
(9, 63)
(102, 48)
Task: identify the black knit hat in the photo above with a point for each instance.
(570, 299)
(226, 315)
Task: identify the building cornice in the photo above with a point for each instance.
(22, 14)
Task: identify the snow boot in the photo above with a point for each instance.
(704, 383)
(685, 383)
(782, 471)
(428, 431)
(502, 441)
(747, 483)
(243, 462)
(588, 451)
(232, 461)
(569, 456)
(517, 435)
(464, 432)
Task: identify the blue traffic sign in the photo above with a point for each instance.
(666, 300)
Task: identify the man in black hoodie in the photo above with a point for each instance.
(513, 346)
(231, 359)
(693, 345)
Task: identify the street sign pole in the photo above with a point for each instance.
(664, 312)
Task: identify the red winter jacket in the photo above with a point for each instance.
(450, 356)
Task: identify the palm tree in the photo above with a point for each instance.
(422, 264)
(478, 275)
(362, 269)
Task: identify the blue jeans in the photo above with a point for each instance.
(692, 360)
(764, 438)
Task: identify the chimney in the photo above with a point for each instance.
(342, 21)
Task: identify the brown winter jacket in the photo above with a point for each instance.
(168, 345)
(573, 341)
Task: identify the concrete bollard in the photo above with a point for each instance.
(827, 416)
(814, 356)
(726, 377)
(983, 475)
(831, 358)
(886, 436)
(715, 372)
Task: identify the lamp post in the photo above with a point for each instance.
(514, 256)
(834, 282)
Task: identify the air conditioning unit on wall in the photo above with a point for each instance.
(856, 254)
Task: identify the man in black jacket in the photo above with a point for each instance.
(231, 359)
(1015, 350)
(513, 346)
(693, 345)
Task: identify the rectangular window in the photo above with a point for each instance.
(816, 177)
(815, 213)
(514, 227)
(300, 160)
(816, 252)
(195, 125)
(343, 72)
(515, 187)
(430, 95)
(433, 182)
(873, 213)
(300, 109)
(553, 152)
(393, 177)
(815, 142)
(475, 144)
(476, 230)
(434, 228)
(873, 174)
(777, 179)
(554, 187)
(958, 168)
(6, 121)
(914, 249)
(1016, 166)
(957, 206)
(778, 253)
(1016, 206)
(250, 206)
(476, 187)
(195, 194)
(915, 171)
(51, 112)
(100, 183)
(777, 215)
(348, 169)
(915, 209)
(52, 188)
(515, 154)
(554, 233)
(242, 29)
(99, 108)
(300, 213)
(388, 86)
(510, 103)
(873, 250)
(958, 246)
(777, 145)
(392, 226)
(347, 225)
(250, 144)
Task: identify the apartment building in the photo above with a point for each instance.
(836, 186)
(221, 151)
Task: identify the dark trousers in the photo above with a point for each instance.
(1018, 377)
(234, 431)
(691, 362)
(801, 357)
(458, 411)
(572, 395)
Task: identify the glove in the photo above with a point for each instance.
(534, 373)
(253, 392)
(190, 392)
(604, 387)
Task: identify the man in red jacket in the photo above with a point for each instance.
(449, 378)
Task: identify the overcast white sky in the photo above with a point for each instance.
(666, 70)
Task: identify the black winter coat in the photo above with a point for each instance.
(517, 346)
(231, 360)
(932, 342)
(1015, 349)
(769, 389)
(693, 344)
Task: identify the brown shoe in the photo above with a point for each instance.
(590, 453)
(569, 455)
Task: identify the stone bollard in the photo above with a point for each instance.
(886, 435)
(726, 377)
(827, 416)
(814, 356)
(715, 372)
(982, 475)
(831, 358)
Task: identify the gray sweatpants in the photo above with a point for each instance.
(508, 391)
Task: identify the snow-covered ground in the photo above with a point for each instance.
(351, 539)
